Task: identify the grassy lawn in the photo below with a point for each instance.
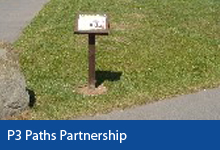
(156, 49)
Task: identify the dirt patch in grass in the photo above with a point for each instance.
(87, 91)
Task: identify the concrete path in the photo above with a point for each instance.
(15, 15)
(203, 105)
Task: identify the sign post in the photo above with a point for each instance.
(92, 24)
(91, 82)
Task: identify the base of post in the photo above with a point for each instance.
(88, 91)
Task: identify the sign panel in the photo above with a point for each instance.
(92, 23)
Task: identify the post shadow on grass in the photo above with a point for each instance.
(32, 98)
(102, 76)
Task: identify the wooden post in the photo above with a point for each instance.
(92, 24)
(91, 80)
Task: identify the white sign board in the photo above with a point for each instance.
(92, 22)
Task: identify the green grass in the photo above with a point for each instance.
(162, 48)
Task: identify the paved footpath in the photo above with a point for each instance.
(15, 15)
(204, 105)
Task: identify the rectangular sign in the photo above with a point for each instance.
(91, 23)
